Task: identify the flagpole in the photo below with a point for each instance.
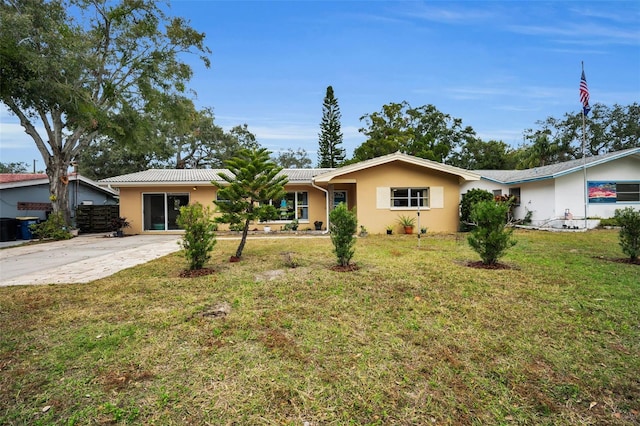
(584, 159)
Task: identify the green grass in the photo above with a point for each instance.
(413, 337)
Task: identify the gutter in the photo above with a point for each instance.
(326, 200)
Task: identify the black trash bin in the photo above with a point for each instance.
(8, 229)
(25, 222)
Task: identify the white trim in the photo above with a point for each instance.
(397, 156)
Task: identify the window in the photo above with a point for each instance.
(294, 205)
(515, 192)
(626, 192)
(497, 192)
(607, 192)
(409, 197)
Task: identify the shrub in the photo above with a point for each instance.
(490, 237)
(199, 234)
(343, 225)
(53, 228)
(610, 221)
(469, 199)
(629, 221)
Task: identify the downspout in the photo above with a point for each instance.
(326, 201)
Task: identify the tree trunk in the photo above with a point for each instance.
(58, 186)
(243, 241)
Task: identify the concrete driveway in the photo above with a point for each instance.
(81, 259)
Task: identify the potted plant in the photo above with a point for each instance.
(118, 224)
(408, 223)
(318, 225)
(363, 231)
(423, 230)
(389, 229)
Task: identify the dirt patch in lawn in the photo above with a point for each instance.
(624, 260)
(347, 268)
(196, 273)
(479, 265)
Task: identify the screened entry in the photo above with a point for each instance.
(161, 210)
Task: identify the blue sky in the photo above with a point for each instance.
(499, 66)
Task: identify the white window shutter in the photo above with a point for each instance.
(436, 195)
(383, 197)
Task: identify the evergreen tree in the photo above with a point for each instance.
(330, 154)
(245, 194)
(343, 224)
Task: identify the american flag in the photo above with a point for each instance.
(584, 94)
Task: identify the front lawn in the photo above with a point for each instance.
(414, 336)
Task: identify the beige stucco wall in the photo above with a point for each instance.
(131, 202)
(403, 175)
(131, 205)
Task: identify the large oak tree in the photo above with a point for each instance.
(423, 132)
(83, 69)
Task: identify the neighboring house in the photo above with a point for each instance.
(27, 194)
(380, 189)
(591, 188)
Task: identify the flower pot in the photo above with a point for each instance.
(318, 225)
(389, 231)
(408, 229)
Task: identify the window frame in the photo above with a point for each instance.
(615, 198)
(517, 193)
(168, 218)
(636, 192)
(422, 201)
(300, 203)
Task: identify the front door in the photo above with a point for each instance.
(339, 197)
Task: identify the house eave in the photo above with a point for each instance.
(397, 156)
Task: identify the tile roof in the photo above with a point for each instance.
(21, 177)
(303, 175)
(205, 176)
(24, 180)
(201, 176)
(553, 170)
(177, 176)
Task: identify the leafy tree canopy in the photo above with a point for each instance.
(88, 69)
(477, 154)
(14, 167)
(423, 132)
(606, 129)
(291, 159)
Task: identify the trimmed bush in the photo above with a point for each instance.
(629, 221)
(199, 234)
(343, 225)
(490, 237)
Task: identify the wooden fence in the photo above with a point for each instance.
(91, 218)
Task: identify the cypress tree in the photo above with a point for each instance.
(330, 154)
